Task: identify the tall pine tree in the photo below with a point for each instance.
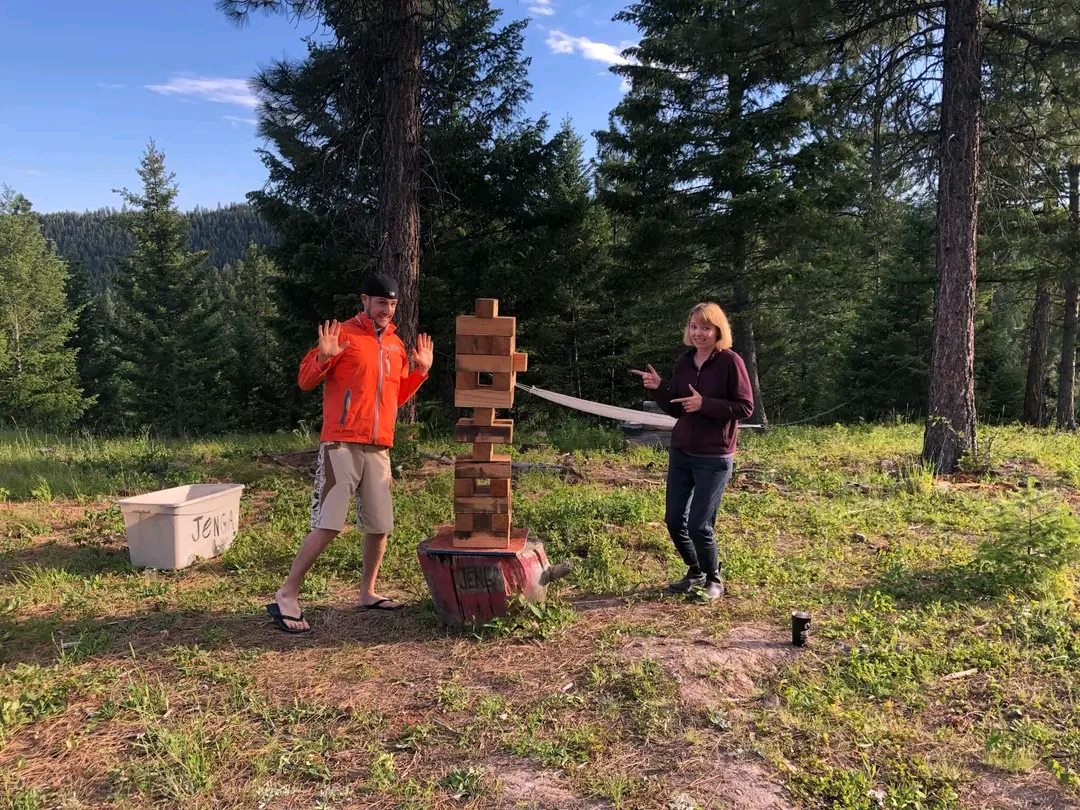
(38, 380)
(704, 148)
(94, 339)
(482, 167)
(258, 379)
(171, 342)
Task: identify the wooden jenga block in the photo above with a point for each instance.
(501, 381)
(483, 451)
(484, 344)
(498, 467)
(487, 308)
(483, 398)
(484, 417)
(501, 432)
(486, 541)
(470, 325)
(487, 362)
(499, 488)
(480, 344)
(519, 362)
(483, 381)
(482, 503)
(464, 486)
(470, 522)
(497, 381)
(463, 522)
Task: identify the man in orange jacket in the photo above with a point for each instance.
(366, 372)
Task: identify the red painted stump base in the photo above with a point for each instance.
(473, 586)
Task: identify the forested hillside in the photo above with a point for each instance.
(100, 241)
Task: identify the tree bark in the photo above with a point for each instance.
(1066, 401)
(1035, 389)
(746, 346)
(950, 427)
(399, 191)
(742, 311)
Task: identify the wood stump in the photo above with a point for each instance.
(473, 586)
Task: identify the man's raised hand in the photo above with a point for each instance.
(423, 353)
(649, 379)
(330, 343)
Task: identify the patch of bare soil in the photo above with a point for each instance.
(298, 461)
(710, 671)
(1000, 791)
(727, 782)
(618, 475)
(523, 786)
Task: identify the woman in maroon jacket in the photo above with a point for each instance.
(709, 392)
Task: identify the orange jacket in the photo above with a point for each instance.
(365, 384)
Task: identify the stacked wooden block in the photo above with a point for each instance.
(486, 366)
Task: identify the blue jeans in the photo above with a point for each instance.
(694, 487)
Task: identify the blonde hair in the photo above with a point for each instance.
(714, 317)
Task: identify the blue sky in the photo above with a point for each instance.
(85, 85)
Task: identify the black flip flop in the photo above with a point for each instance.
(379, 606)
(280, 619)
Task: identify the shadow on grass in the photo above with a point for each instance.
(88, 560)
(988, 577)
(45, 639)
(950, 584)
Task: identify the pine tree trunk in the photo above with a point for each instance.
(746, 346)
(1035, 389)
(743, 311)
(950, 427)
(399, 191)
(17, 351)
(1066, 401)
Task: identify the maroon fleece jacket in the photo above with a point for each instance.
(726, 397)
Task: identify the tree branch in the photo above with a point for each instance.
(1066, 45)
(841, 38)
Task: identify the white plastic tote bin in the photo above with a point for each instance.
(171, 528)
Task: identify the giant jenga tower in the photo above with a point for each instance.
(477, 565)
(487, 364)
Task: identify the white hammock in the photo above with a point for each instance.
(654, 420)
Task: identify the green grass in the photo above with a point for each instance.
(46, 466)
(945, 644)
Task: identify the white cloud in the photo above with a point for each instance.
(109, 85)
(560, 42)
(237, 119)
(541, 7)
(223, 91)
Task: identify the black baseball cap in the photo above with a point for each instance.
(380, 286)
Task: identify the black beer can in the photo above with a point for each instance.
(800, 627)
